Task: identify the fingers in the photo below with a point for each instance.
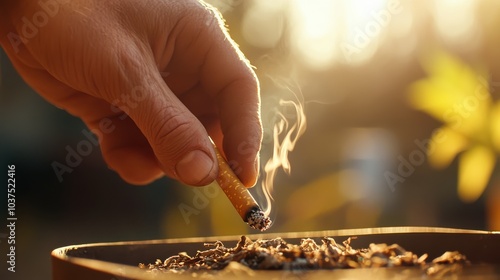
(180, 142)
(236, 91)
(121, 70)
(177, 138)
(241, 126)
(206, 64)
(123, 146)
(128, 152)
(162, 134)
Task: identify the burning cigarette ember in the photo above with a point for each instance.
(240, 197)
(278, 254)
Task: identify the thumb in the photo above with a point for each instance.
(178, 140)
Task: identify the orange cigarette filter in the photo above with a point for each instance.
(240, 197)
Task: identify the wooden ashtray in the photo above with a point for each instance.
(120, 260)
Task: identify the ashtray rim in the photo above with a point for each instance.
(62, 259)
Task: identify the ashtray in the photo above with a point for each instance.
(120, 260)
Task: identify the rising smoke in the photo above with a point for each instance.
(289, 124)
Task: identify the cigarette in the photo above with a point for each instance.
(240, 197)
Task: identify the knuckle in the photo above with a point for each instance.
(171, 135)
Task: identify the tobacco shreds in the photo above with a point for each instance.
(277, 254)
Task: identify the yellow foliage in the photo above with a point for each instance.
(458, 96)
(476, 166)
(442, 152)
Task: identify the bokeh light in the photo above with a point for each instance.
(315, 31)
(456, 22)
(263, 23)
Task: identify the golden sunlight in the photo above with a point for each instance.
(455, 21)
(326, 32)
(315, 31)
(263, 23)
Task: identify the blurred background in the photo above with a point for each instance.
(400, 99)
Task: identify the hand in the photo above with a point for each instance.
(152, 78)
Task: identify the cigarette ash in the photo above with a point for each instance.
(256, 219)
(276, 254)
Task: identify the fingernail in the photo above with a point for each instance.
(194, 168)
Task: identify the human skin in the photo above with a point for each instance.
(163, 74)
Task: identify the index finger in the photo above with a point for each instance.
(236, 90)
